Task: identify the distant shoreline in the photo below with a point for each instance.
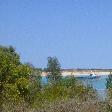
(79, 72)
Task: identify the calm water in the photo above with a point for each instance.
(98, 83)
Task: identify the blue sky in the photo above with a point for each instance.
(77, 32)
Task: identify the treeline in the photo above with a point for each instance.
(22, 90)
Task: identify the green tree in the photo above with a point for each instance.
(109, 82)
(54, 69)
(109, 93)
(14, 76)
(35, 82)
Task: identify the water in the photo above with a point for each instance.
(98, 83)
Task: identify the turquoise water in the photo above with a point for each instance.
(98, 83)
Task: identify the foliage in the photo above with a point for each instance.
(63, 90)
(21, 89)
(54, 69)
(14, 76)
(109, 82)
(109, 93)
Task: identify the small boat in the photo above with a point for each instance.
(88, 76)
(93, 75)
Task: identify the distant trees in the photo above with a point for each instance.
(54, 69)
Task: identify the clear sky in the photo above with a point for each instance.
(77, 32)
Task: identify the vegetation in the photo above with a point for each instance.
(14, 77)
(54, 69)
(21, 88)
(109, 93)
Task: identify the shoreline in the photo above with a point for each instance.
(78, 75)
(81, 72)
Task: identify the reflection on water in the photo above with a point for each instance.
(98, 83)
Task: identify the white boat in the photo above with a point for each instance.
(89, 76)
(92, 75)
